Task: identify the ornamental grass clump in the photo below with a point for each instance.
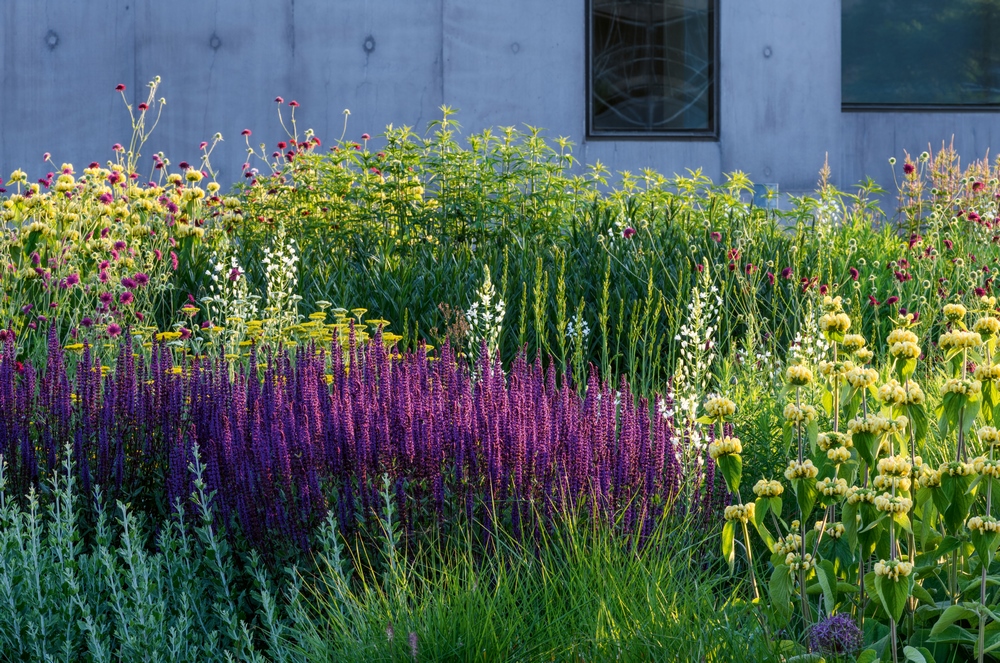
(892, 532)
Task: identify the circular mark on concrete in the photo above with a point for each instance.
(369, 44)
(215, 42)
(767, 171)
(767, 51)
(51, 39)
(515, 47)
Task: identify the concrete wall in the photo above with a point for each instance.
(503, 62)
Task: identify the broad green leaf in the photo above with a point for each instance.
(805, 495)
(893, 594)
(827, 577)
(867, 656)
(780, 589)
(728, 547)
(951, 615)
(732, 469)
(913, 654)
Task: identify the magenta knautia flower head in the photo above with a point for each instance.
(141, 279)
(129, 283)
(279, 100)
(143, 107)
(246, 132)
(120, 87)
(114, 330)
(365, 137)
(293, 103)
(837, 634)
(126, 298)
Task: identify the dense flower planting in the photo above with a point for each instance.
(296, 435)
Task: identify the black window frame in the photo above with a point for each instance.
(710, 134)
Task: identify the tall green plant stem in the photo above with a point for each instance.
(806, 617)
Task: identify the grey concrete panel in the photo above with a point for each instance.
(780, 73)
(518, 62)
(60, 63)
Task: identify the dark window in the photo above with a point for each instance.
(924, 53)
(652, 67)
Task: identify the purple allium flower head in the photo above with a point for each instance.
(837, 634)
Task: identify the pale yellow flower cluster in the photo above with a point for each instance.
(853, 342)
(832, 487)
(803, 470)
(898, 425)
(894, 393)
(798, 562)
(899, 466)
(719, 407)
(839, 455)
(860, 377)
(835, 369)
(929, 478)
(980, 524)
(905, 350)
(889, 503)
(724, 447)
(987, 373)
(833, 304)
(834, 322)
(798, 375)
(962, 387)
(893, 569)
(832, 440)
(957, 468)
(871, 423)
(954, 312)
(987, 326)
(987, 467)
(832, 530)
(864, 355)
(768, 488)
(787, 544)
(989, 435)
(740, 512)
(959, 339)
(888, 482)
(901, 336)
(857, 495)
(800, 414)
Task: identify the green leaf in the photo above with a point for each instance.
(960, 500)
(850, 520)
(827, 577)
(867, 656)
(953, 614)
(761, 505)
(985, 544)
(728, 548)
(913, 654)
(805, 495)
(865, 444)
(732, 469)
(893, 594)
(705, 420)
(776, 506)
(917, 414)
(780, 589)
(922, 595)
